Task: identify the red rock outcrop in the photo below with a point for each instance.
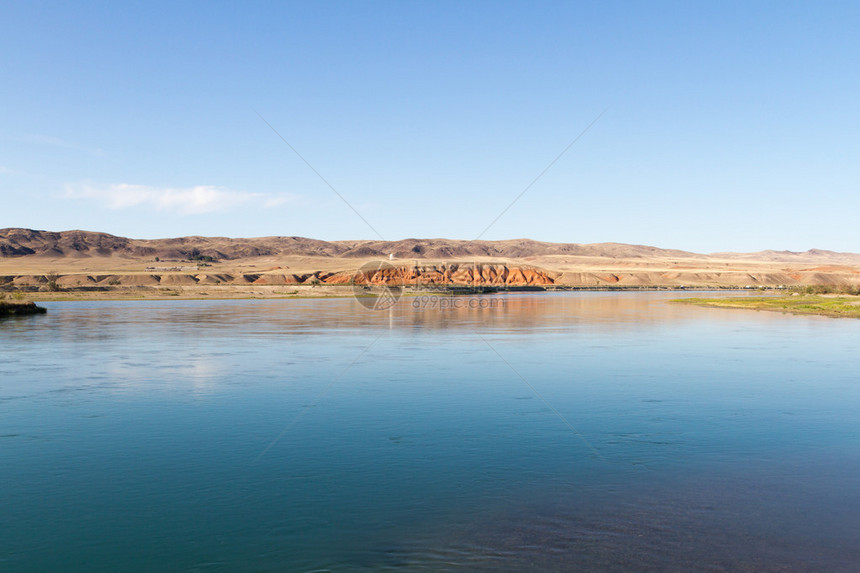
(453, 274)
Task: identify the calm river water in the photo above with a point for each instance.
(574, 431)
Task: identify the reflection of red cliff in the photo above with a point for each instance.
(478, 275)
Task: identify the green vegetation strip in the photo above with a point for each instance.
(847, 306)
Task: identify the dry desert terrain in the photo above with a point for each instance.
(93, 264)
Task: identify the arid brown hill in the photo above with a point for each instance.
(27, 242)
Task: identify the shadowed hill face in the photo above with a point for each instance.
(23, 242)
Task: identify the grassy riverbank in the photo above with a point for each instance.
(837, 306)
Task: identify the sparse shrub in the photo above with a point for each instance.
(52, 277)
(196, 255)
(18, 295)
(828, 289)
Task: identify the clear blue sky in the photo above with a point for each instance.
(729, 125)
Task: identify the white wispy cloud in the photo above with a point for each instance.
(183, 200)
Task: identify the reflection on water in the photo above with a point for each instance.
(315, 434)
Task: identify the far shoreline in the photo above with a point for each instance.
(301, 292)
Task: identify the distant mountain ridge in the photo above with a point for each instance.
(18, 242)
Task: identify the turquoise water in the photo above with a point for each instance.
(575, 431)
